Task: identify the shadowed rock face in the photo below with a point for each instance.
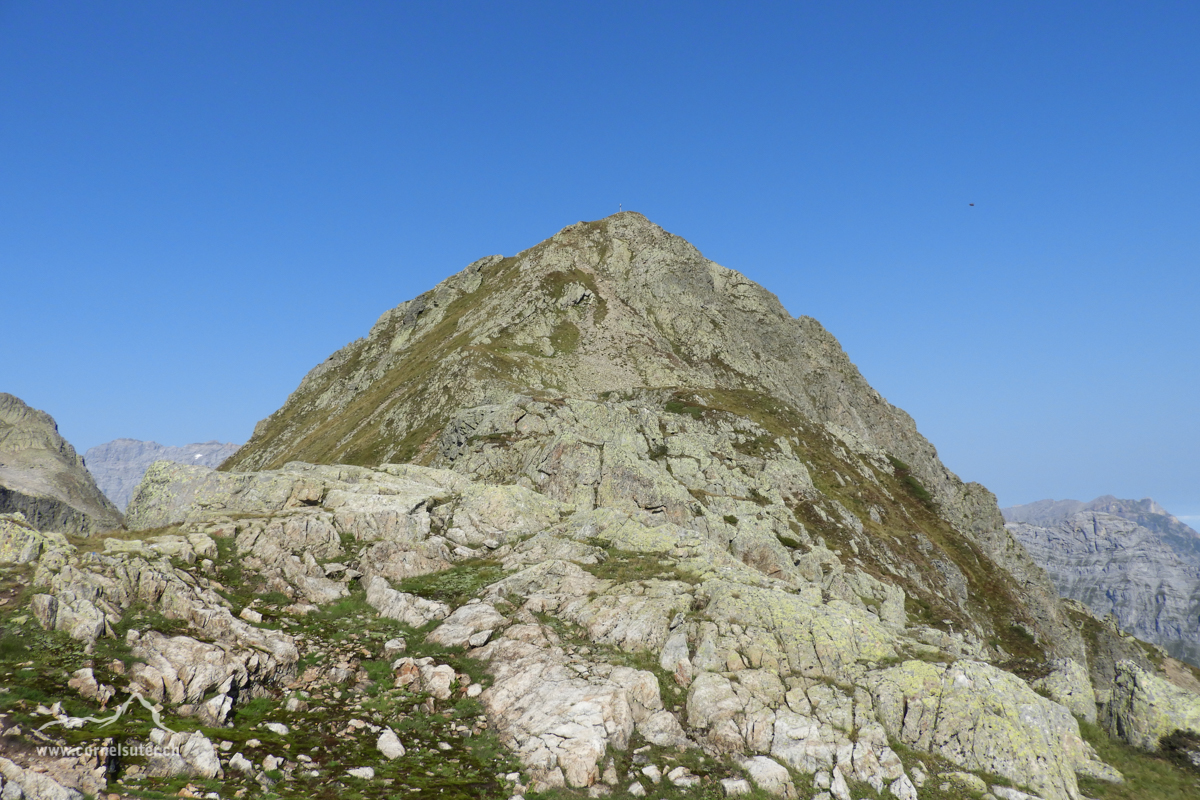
(118, 466)
(42, 477)
(1128, 558)
(607, 310)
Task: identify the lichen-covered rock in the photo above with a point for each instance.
(982, 718)
(559, 720)
(458, 628)
(31, 784)
(184, 754)
(180, 669)
(1068, 683)
(21, 543)
(770, 776)
(402, 606)
(1145, 707)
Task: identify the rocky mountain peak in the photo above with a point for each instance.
(616, 304)
(568, 367)
(43, 478)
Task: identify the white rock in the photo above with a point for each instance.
(769, 775)
(903, 789)
(401, 606)
(276, 727)
(735, 786)
(389, 744)
(366, 773)
(250, 615)
(241, 763)
(1008, 793)
(663, 729)
(636, 789)
(652, 772)
(837, 786)
(682, 777)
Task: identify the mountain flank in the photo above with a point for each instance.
(43, 478)
(1128, 558)
(118, 466)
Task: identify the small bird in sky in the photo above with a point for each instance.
(971, 204)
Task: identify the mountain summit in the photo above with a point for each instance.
(619, 312)
(603, 306)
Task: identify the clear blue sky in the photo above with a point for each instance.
(200, 201)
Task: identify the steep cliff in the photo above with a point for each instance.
(1128, 558)
(118, 466)
(43, 478)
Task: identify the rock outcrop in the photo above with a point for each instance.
(789, 658)
(118, 466)
(1127, 558)
(42, 477)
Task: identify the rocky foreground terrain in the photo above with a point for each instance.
(42, 477)
(617, 525)
(118, 466)
(1127, 558)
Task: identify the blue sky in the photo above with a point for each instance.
(201, 201)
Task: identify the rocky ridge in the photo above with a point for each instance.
(1127, 558)
(42, 477)
(118, 466)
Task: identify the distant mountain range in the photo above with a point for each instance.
(118, 465)
(1128, 558)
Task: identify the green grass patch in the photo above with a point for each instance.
(910, 482)
(1147, 775)
(456, 585)
(625, 566)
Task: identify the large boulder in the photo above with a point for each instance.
(1144, 707)
(983, 718)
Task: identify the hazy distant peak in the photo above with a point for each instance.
(118, 465)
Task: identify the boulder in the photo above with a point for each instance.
(1145, 707)
(982, 718)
